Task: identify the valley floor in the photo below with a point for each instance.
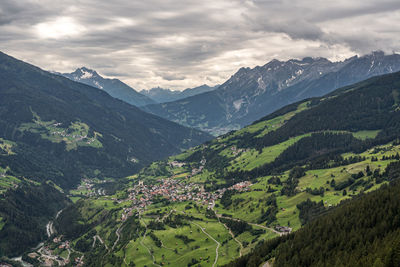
(179, 223)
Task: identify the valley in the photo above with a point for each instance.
(225, 198)
(180, 223)
(199, 133)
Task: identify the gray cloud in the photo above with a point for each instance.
(179, 44)
(170, 76)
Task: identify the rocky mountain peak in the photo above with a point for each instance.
(84, 73)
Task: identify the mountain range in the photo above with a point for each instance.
(113, 87)
(252, 93)
(161, 95)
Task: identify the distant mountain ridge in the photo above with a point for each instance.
(162, 95)
(253, 93)
(113, 87)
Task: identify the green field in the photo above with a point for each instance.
(7, 181)
(252, 158)
(366, 134)
(269, 125)
(174, 252)
(74, 135)
(2, 223)
(6, 146)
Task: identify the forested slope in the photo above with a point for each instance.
(361, 232)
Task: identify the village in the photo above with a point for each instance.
(76, 137)
(87, 186)
(175, 190)
(46, 256)
(141, 196)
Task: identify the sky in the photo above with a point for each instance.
(180, 44)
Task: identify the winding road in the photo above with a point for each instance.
(234, 238)
(49, 226)
(268, 228)
(118, 233)
(143, 245)
(101, 241)
(218, 244)
(254, 224)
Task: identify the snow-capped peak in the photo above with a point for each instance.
(84, 73)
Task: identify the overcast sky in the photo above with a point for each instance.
(185, 43)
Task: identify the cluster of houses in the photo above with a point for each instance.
(241, 187)
(175, 191)
(64, 245)
(77, 137)
(127, 212)
(45, 255)
(176, 164)
(5, 148)
(88, 185)
(283, 229)
(91, 140)
(236, 151)
(200, 169)
(79, 261)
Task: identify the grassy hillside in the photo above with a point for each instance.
(361, 232)
(220, 200)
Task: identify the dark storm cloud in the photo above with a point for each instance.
(178, 44)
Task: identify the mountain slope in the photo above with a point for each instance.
(55, 132)
(162, 95)
(224, 198)
(252, 93)
(41, 109)
(113, 87)
(362, 232)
